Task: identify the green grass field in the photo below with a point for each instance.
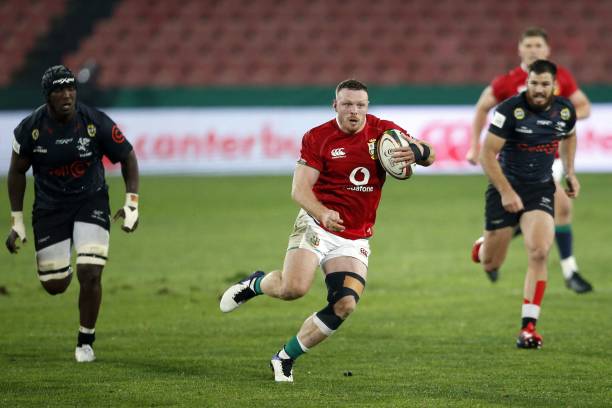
(430, 330)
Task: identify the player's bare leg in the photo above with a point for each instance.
(57, 286)
(292, 282)
(538, 230)
(494, 249)
(90, 294)
(295, 279)
(564, 238)
(91, 244)
(320, 326)
(90, 298)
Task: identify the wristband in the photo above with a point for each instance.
(426, 152)
(17, 224)
(418, 156)
(131, 200)
(17, 217)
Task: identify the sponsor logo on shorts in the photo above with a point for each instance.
(313, 239)
(546, 203)
(98, 215)
(44, 239)
(338, 153)
(364, 252)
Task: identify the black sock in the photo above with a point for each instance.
(527, 320)
(86, 338)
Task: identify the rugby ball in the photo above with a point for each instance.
(389, 140)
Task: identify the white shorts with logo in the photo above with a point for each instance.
(307, 234)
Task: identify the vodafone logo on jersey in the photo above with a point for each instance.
(359, 178)
(338, 153)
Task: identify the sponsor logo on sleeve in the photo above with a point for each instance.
(498, 120)
(117, 135)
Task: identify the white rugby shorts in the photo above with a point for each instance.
(307, 234)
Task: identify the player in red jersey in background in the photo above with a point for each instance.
(532, 46)
(337, 183)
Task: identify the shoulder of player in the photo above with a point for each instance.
(561, 70)
(512, 102)
(33, 118)
(563, 102)
(91, 114)
(322, 130)
(509, 75)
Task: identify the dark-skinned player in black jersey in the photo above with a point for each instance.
(64, 142)
(518, 154)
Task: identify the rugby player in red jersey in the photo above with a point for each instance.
(532, 46)
(337, 183)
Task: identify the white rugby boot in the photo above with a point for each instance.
(84, 354)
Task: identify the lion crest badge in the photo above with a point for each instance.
(372, 148)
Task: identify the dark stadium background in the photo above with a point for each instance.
(288, 52)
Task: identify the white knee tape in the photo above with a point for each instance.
(93, 254)
(53, 262)
(53, 270)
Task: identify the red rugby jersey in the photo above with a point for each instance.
(513, 82)
(351, 178)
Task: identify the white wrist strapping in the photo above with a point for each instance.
(131, 210)
(17, 224)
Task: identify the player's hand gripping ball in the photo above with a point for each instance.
(392, 139)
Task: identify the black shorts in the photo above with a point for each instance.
(56, 225)
(540, 196)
